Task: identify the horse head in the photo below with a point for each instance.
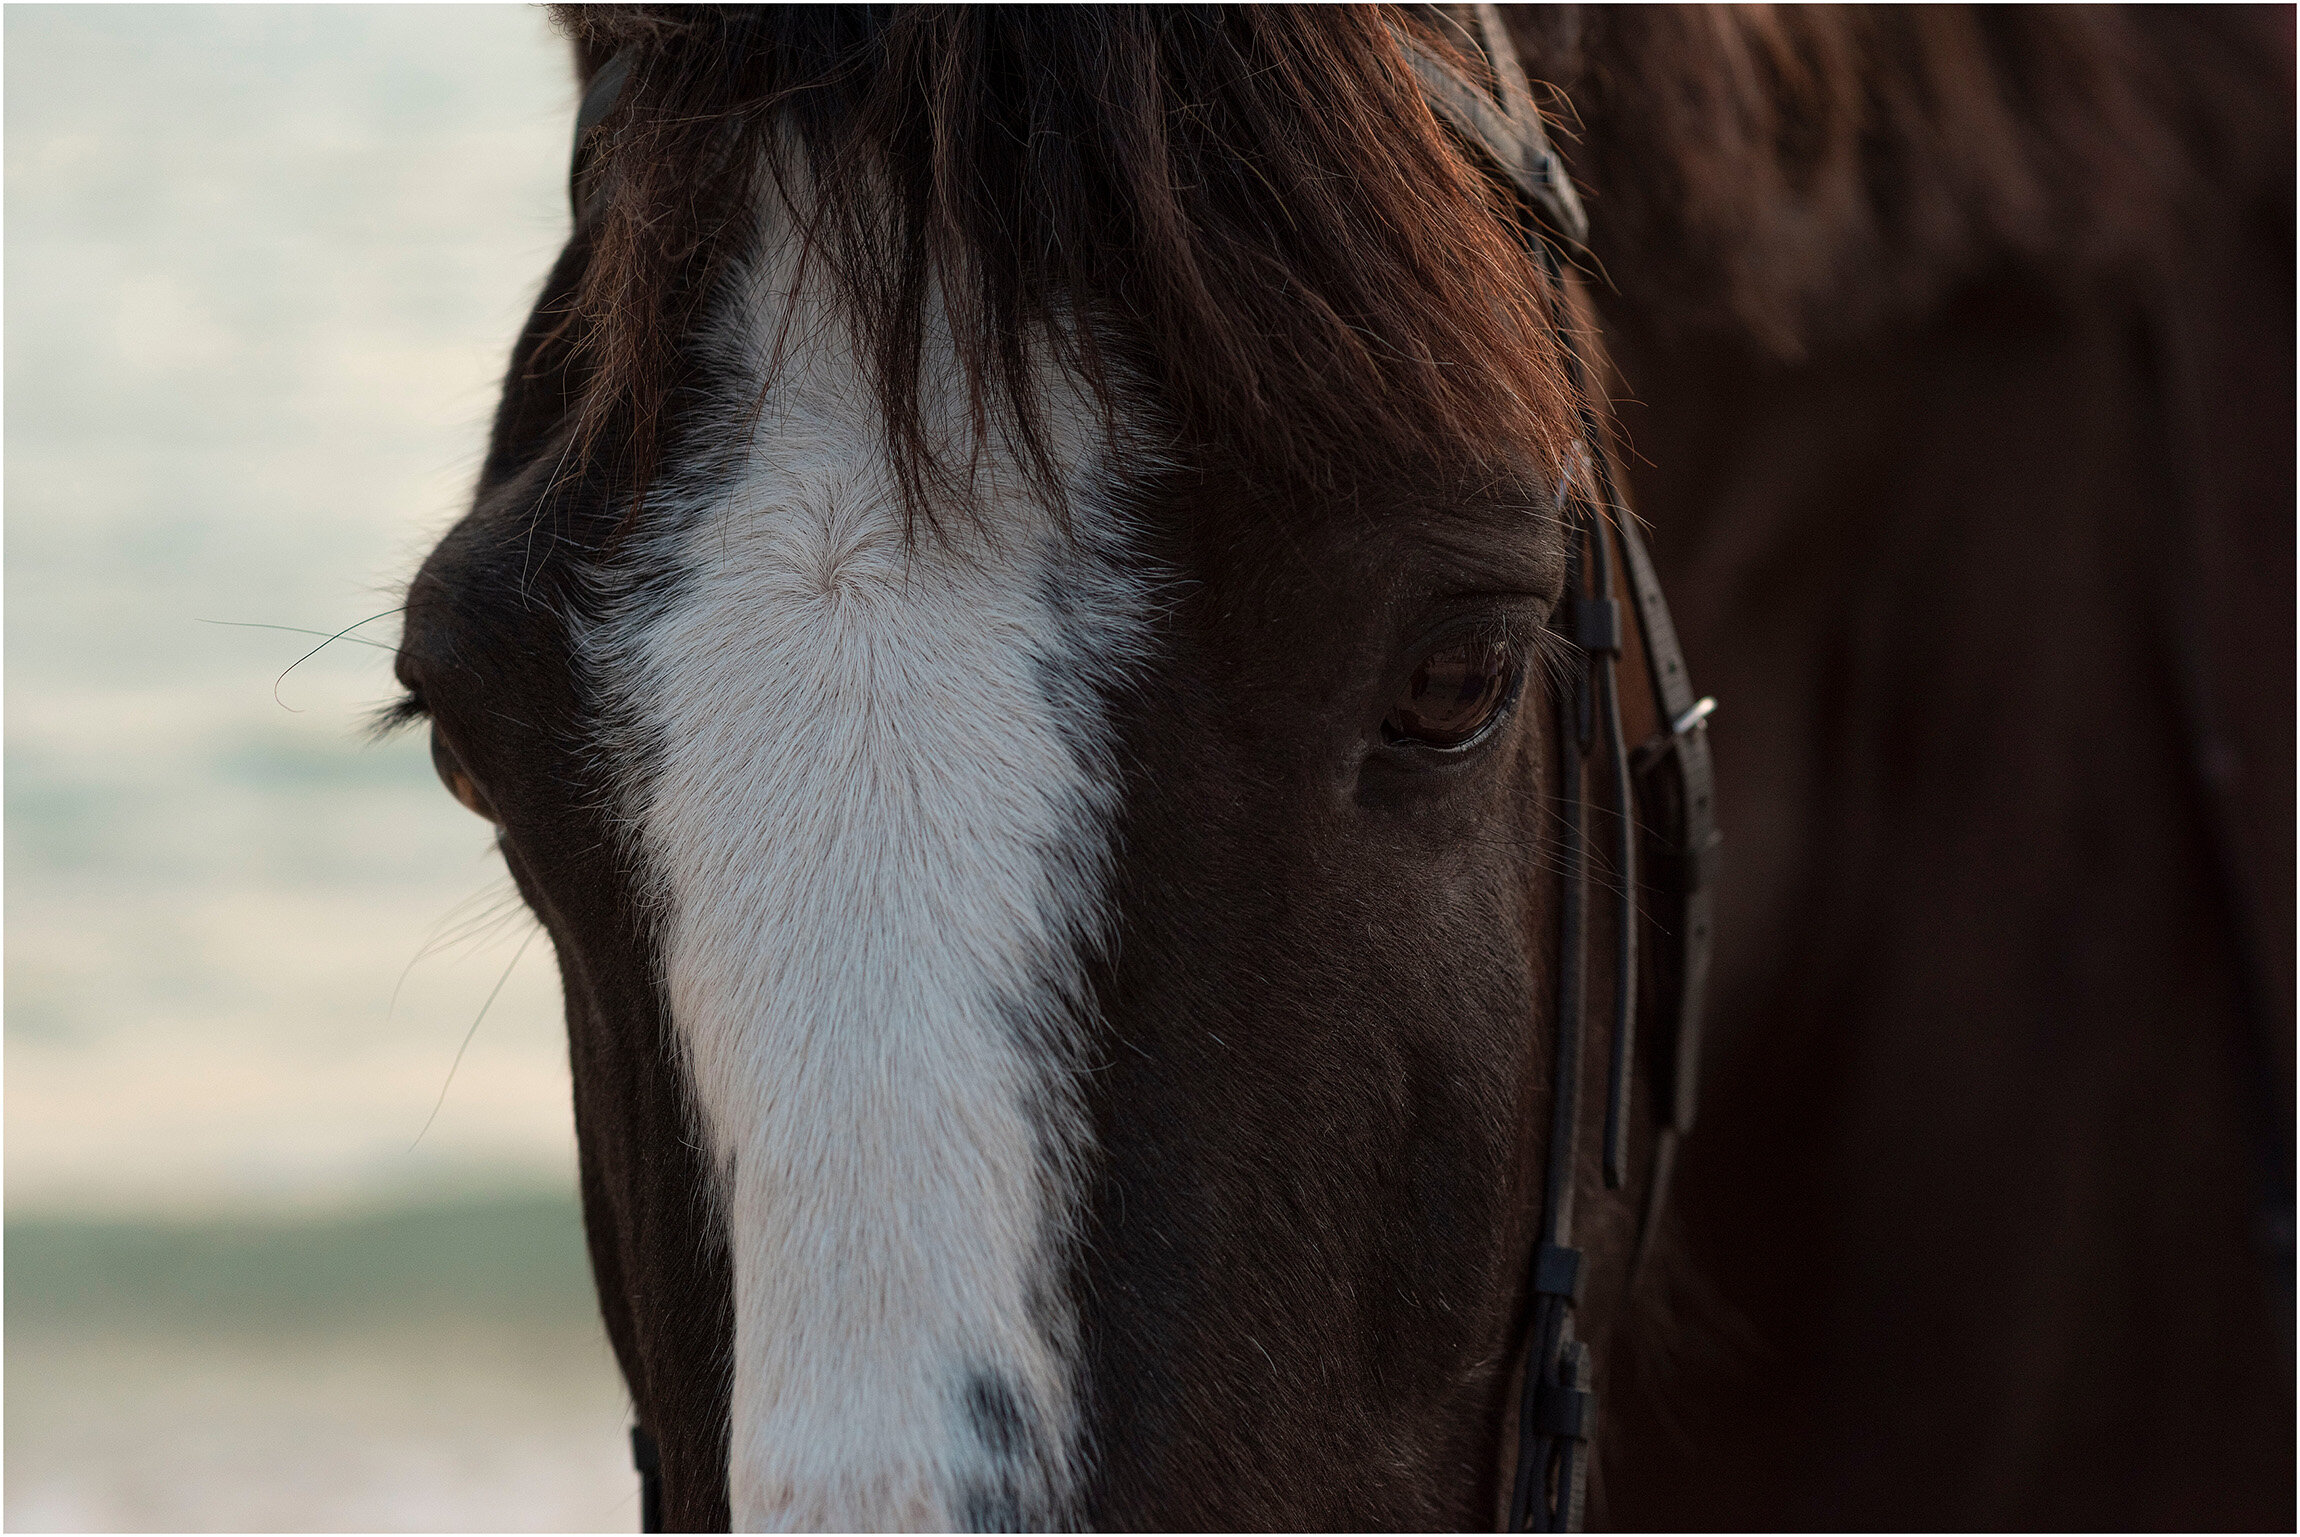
(1024, 628)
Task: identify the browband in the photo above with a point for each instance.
(1500, 122)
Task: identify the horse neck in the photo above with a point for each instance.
(1986, 959)
(1802, 175)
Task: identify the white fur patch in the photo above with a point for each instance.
(877, 818)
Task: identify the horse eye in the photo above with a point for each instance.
(1455, 695)
(459, 782)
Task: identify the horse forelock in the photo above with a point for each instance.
(1286, 246)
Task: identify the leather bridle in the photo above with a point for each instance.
(1660, 799)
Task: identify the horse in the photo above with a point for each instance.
(1020, 632)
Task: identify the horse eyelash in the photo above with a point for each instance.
(397, 715)
(1518, 632)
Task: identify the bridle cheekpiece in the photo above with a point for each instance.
(1662, 801)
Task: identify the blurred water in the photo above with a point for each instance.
(430, 1369)
(263, 266)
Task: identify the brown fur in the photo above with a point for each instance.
(1802, 175)
(1955, 350)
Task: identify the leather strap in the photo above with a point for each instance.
(1499, 118)
(1679, 785)
(1666, 788)
(649, 1462)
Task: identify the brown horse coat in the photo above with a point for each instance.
(1956, 363)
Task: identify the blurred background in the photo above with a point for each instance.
(263, 266)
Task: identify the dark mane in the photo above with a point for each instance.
(1802, 174)
(1299, 260)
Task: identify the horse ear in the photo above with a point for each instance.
(599, 32)
(1548, 39)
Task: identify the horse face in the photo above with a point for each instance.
(1051, 984)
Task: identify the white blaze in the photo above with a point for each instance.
(877, 822)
